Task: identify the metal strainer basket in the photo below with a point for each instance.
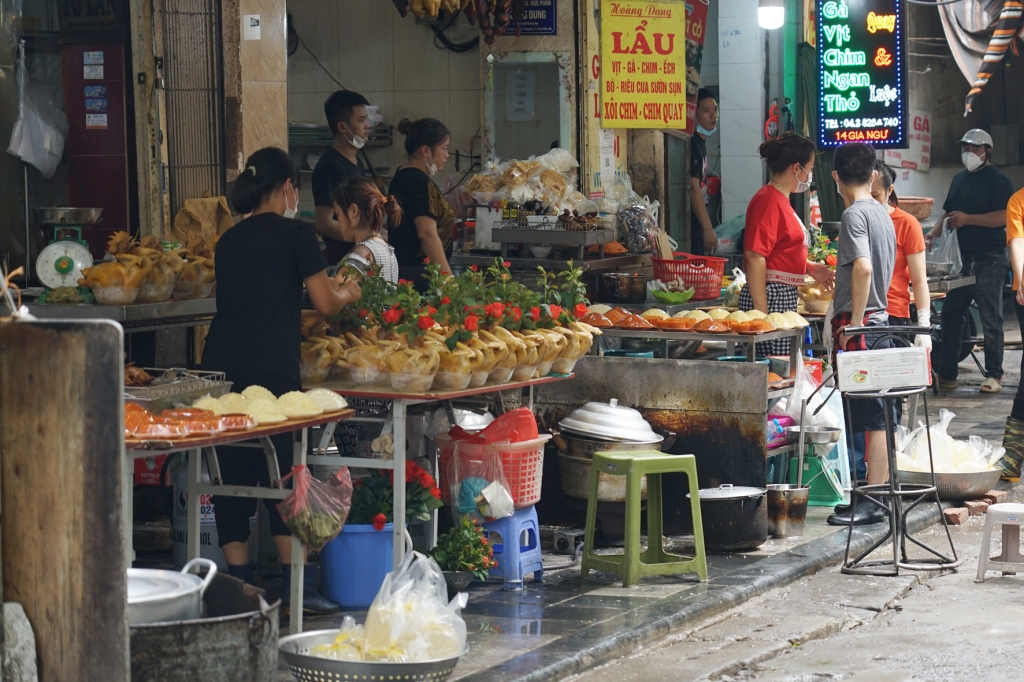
(295, 651)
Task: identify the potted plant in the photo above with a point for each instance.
(354, 564)
(463, 553)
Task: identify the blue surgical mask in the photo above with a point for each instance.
(704, 131)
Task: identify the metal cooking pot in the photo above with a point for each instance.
(733, 518)
(584, 448)
(622, 287)
(62, 215)
(574, 473)
(162, 596)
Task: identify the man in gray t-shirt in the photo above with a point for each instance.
(866, 232)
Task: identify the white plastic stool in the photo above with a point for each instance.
(1011, 516)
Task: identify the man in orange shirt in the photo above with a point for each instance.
(1013, 437)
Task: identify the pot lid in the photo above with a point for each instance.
(610, 421)
(150, 585)
(728, 491)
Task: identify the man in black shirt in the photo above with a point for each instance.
(976, 208)
(347, 119)
(702, 235)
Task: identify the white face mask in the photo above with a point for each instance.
(805, 185)
(291, 213)
(971, 160)
(356, 141)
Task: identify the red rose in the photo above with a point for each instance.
(446, 301)
(403, 281)
(379, 521)
(507, 264)
(535, 313)
(434, 492)
(431, 309)
(495, 309)
(369, 273)
(363, 312)
(555, 311)
(426, 261)
(580, 310)
(471, 323)
(517, 313)
(392, 315)
(474, 267)
(424, 322)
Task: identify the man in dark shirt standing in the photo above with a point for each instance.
(976, 208)
(347, 119)
(702, 235)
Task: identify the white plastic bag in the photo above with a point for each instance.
(38, 134)
(945, 249)
(411, 619)
(803, 386)
(730, 234)
(732, 292)
(948, 455)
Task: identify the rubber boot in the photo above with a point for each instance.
(1013, 441)
(246, 573)
(312, 601)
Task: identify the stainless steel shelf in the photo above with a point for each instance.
(135, 317)
(554, 237)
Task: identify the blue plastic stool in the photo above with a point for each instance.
(518, 552)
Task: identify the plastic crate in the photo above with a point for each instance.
(522, 463)
(701, 273)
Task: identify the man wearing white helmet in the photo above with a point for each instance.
(976, 208)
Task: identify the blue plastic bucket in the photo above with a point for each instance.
(354, 564)
(741, 358)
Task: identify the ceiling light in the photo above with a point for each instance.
(771, 13)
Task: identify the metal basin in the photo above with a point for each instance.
(954, 486)
(60, 215)
(295, 651)
(163, 596)
(812, 434)
(938, 269)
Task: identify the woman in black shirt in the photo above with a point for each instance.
(425, 230)
(262, 264)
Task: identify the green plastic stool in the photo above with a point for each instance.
(631, 564)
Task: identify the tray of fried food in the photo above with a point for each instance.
(633, 321)
(713, 326)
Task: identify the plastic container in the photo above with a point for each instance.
(155, 293)
(742, 358)
(522, 463)
(115, 295)
(187, 291)
(616, 353)
(450, 381)
(413, 383)
(354, 584)
(564, 365)
(478, 379)
(701, 273)
(544, 368)
(312, 372)
(367, 376)
(524, 373)
(501, 375)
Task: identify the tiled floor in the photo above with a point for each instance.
(515, 632)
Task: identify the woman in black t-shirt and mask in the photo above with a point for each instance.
(262, 264)
(425, 230)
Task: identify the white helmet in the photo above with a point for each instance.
(978, 137)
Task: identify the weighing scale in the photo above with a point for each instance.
(60, 263)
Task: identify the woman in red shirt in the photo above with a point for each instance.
(910, 259)
(774, 238)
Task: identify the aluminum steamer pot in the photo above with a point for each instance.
(163, 596)
(734, 518)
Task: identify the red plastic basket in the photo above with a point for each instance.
(702, 273)
(523, 464)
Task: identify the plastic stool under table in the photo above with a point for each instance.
(518, 553)
(632, 565)
(1009, 561)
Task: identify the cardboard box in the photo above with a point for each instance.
(874, 370)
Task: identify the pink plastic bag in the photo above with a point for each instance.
(315, 512)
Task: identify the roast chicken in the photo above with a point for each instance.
(124, 271)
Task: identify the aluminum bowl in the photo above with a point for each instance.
(938, 269)
(812, 434)
(60, 215)
(955, 486)
(305, 668)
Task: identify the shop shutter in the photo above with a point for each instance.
(192, 46)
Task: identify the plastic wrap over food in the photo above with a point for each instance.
(558, 160)
(948, 455)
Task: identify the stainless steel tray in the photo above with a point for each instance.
(176, 386)
(295, 652)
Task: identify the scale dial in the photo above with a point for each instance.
(61, 263)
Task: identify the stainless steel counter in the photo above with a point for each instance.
(950, 282)
(464, 260)
(669, 308)
(137, 317)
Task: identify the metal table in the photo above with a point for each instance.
(669, 308)
(950, 282)
(194, 447)
(731, 339)
(400, 403)
(464, 260)
(137, 317)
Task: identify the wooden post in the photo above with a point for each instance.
(61, 444)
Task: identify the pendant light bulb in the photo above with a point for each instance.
(771, 14)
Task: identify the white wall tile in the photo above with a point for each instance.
(366, 58)
(740, 40)
(741, 132)
(742, 176)
(418, 64)
(737, 8)
(316, 22)
(741, 88)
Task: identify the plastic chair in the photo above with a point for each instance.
(1009, 561)
(518, 553)
(632, 564)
